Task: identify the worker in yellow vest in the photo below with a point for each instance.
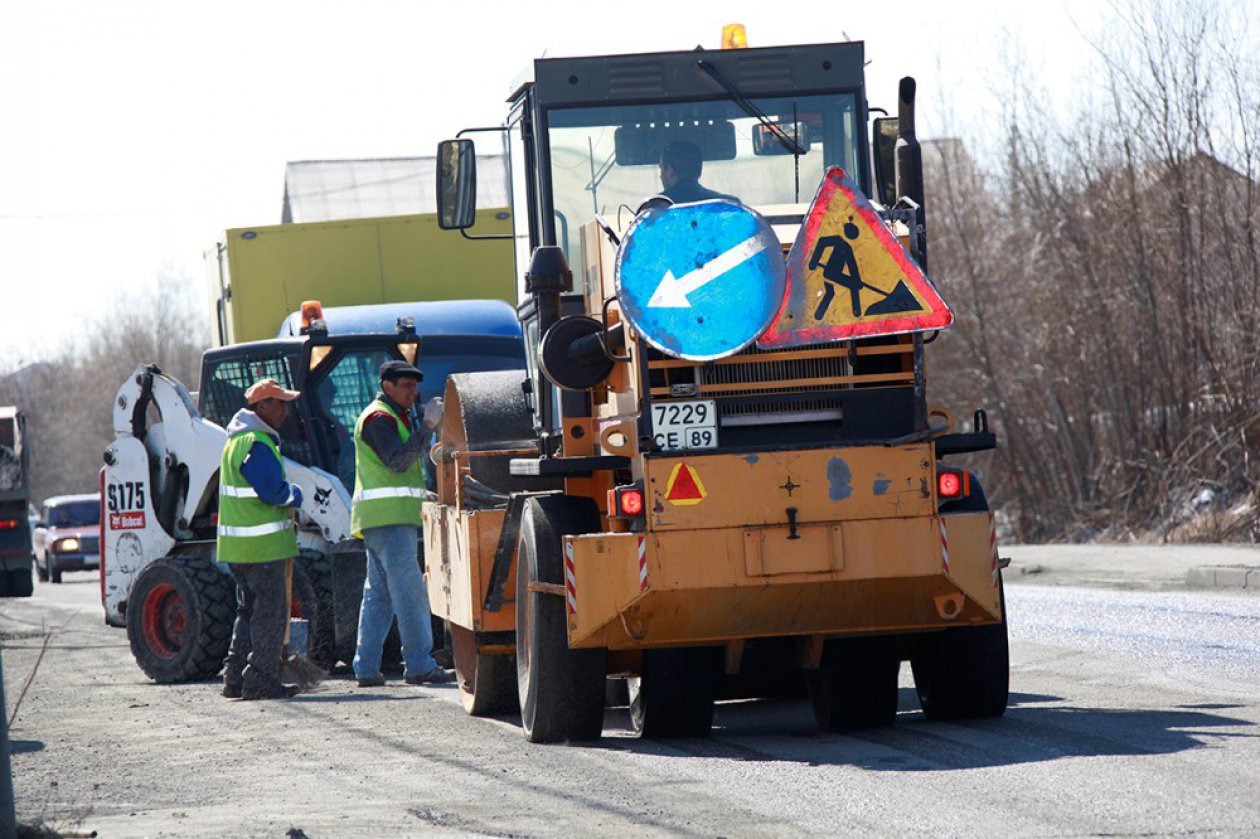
(255, 539)
(385, 513)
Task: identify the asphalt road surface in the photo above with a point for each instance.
(1133, 712)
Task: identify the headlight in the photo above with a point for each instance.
(66, 545)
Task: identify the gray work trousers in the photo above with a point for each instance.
(262, 611)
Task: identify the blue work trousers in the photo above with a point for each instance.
(394, 588)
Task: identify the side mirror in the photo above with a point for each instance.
(457, 184)
(766, 142)
(884, 141)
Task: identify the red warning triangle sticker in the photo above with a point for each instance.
(684, 486)
(849, 277)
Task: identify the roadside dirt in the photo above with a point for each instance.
(96, 746)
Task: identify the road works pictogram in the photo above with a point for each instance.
(849, 277)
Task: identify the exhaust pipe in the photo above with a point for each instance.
(908, 159)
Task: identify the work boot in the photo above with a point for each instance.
(260, 685)
(436, 676)
(278, 692)
(231, 691)
(372, 681)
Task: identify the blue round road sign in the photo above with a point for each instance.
(700, 281)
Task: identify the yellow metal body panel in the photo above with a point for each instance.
(261, 274)
(863, 552)
(459, 557)
(821, 485)
(851, 577)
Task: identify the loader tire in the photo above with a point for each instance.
(487, 683)
(674, 695)
(855, 685)
(312, 589)
(964, 672)
(179, 619)
(561, 690)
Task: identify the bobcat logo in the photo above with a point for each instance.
(128, 554)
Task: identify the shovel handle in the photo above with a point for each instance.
(288, 602)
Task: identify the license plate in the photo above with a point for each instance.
(685, 425)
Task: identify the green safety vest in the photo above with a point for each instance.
(381, 495)
(249, 530)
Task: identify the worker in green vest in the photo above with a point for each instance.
(385, 513)
(255, 539)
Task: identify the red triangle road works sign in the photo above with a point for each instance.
(849, 277)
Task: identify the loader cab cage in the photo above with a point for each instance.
(338, 376)
(227, 373)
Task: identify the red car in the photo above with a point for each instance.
(67, 536)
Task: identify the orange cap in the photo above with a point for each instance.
(268, 389)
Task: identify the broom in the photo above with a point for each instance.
(295, 668)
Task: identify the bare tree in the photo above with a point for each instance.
(1110, 273)
(68, 398)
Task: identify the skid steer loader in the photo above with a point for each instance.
(159, 488)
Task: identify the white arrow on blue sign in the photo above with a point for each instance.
(700, 281)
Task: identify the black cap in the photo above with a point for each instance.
(392, 371)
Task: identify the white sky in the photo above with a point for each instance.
(134, 131)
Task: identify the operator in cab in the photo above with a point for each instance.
(389, 491)
(256, 540)
(681, 163)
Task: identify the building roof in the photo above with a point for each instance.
(329, 190)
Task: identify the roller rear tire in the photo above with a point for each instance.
(674, 695)
(964, 673)
(561, 691)
(855, 685)
(487, 683)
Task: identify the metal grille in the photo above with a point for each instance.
(755, 405)
(774, 371)
(764, 71)
(749, 413)
(343, 394)
(638, 77)
(223, 394)
(89, 544)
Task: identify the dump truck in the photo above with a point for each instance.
(16, 555)
(722, 460)
(259, 275)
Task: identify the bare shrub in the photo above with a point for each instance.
(1108, 274)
